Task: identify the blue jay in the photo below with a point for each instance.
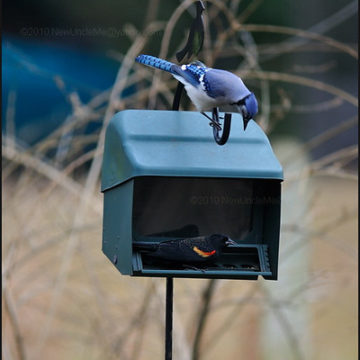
(209, 88)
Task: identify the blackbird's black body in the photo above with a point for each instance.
(188, 250)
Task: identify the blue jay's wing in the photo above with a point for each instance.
(157, 63)
(189, 73)
(224, 84)
(192, 73)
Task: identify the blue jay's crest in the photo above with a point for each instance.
(208, 88)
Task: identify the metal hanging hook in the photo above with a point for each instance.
(223, 138)
(193, 46)
(196, 35)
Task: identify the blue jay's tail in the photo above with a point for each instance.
(156, 63)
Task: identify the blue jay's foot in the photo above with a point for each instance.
(213, 122)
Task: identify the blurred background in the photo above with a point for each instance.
(67, 68)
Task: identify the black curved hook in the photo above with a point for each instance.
(193, 46)
(177, 97)
(196, 35)
(221, 140)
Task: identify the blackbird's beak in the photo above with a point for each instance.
(231, 242)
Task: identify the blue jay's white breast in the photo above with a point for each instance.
(198, 96)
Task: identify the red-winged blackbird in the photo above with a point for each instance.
(188, 250)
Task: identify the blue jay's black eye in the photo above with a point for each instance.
(240, 102)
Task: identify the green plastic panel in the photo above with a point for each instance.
(117, 227)
(163, 172)
(181, 143)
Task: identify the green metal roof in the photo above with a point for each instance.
(181, 143)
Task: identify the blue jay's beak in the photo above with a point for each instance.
(249, 109)
(245, 115)
(246, 121)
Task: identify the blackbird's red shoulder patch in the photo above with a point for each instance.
(204, 253)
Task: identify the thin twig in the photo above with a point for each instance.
(11, 311)
(285, 324)
(41, 167)
(302, 33)
(203, 312)
(321, 138)
(221, 330)
(300, 80)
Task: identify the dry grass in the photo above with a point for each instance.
(101, 314)
(62, 299)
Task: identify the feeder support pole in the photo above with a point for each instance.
(169, 318)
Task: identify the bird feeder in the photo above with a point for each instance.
(164, 178)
